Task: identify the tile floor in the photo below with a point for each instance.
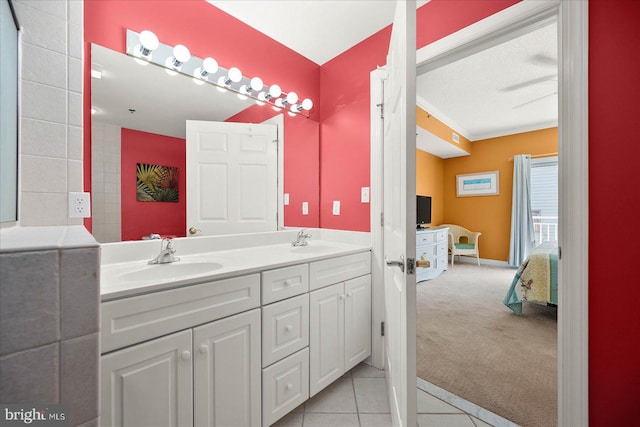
(359, 399)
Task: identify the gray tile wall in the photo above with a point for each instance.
(49, 329)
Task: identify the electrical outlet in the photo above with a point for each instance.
(364, 195)
(305, 208)
(285, 199)
(336, 207)
(79, 205)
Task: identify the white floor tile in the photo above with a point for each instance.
(331, 420)
(365, 371)
(375, 420)
(292, 419)
(428, 404)
(336, 398)
(371, 395)
(444, 420)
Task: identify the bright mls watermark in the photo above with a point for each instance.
(35, 415)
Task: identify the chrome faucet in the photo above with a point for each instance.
(166, 254)
(301, 239)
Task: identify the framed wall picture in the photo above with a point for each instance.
(478, 184)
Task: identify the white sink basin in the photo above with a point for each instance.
(170, 271)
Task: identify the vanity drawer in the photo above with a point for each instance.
(284, 283)
(136, 319)
(442, 249)
(441, 235)
(285, 385)
(425, 238)
(285, 328)
(335, 270)
(427, 252)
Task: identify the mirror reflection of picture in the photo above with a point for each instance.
(156, 183)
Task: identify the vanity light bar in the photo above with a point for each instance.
(209, 71)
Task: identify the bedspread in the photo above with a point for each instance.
(536, 280)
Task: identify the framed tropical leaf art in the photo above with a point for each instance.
(156, 183)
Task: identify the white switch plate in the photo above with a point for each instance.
(305, 208)
(286, 199)
(79, 205)
(336, 207)
(364, 195)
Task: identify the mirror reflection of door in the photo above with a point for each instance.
(241, 160)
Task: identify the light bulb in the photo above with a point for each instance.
(307, 104)
(292, 98)
(279, 105)
(148, 43)
(275, 91)
(294, 109)
(222, 84)
(181, 53)
(243, 90)
(260, 102)
(256, 84)
(235, 75)
(262, 96)
(209, 66)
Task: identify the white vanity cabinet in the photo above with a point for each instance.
(339, 318)
(431, 244)
(149, 384)
(227, 375)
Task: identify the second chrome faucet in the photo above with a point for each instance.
(301, 240)
(167, 253)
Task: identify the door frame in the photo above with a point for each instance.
(573, 33)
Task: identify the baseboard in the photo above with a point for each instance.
(483, 261)
(464, 405)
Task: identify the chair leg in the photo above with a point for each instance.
(453, 257)
(478, 259)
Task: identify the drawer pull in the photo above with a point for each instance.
(289, 386)
(342, 296)
(288, 282)
(186, 355)
(348, 294)
(204, 349)
(289, 328)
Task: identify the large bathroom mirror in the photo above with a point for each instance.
(139, 111)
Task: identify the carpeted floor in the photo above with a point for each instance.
(470, 344)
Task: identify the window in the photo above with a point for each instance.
(544, 198)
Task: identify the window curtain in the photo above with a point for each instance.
(522, 234)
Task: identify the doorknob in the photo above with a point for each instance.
(193, 230)
(396, 263)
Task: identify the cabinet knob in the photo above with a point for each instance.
(342, 296)
(348, 294)
(186, 355)
(288, 328)
(289, 386)
(288, 282)
(204, 349)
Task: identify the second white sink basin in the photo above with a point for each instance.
(171, 271)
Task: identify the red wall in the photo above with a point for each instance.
(143, 218)
(345, 95)
(614, 203)
(208, 31)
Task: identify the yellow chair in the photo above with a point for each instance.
(462, 242)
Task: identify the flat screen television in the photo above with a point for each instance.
(423, 210)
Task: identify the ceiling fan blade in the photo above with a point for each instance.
(549, 78)
(535, 100)
(542, 59)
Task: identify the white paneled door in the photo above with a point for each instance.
(232, 178)
(399, 215)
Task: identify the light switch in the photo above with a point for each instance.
(336, 207)
(305, 208)
(364, 195)
(285, 199)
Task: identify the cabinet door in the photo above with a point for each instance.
(357, 320)
(148, 384)
(227, 373)
(326, 336)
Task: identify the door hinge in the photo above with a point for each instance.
(559, 252)
(381, 329)
(381, 219)
(411, 266)
(381, 105)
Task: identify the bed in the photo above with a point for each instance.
(536, 280)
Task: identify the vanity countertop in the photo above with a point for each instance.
(126, 279)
